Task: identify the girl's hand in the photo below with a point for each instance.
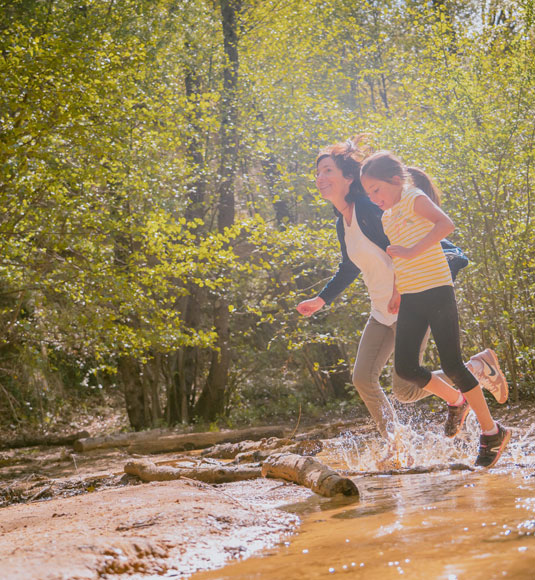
(308, 307)
(393, 304)
(400, 252)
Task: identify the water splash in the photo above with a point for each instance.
(414, 441)
(522, 447)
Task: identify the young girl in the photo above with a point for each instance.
(423, 293)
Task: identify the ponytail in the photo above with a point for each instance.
(422, 181)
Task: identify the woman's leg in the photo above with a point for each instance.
(407, 391)
(375, 348)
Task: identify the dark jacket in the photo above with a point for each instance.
(369, 220)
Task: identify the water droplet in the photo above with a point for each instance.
(331, 570)
(522, 549)
(305, 551)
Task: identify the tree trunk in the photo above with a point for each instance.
(129, 377)
(211, 403)
(183, 363)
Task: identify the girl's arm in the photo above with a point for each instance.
(424, 207)
(393, 304)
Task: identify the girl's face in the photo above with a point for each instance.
(330, 180)
(383, 193)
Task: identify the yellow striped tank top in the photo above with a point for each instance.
(405, 228)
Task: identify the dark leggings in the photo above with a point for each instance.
(435, 308)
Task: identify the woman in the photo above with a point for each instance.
(363, 244)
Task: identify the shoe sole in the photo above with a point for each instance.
(496, 364)
(505, 441)
(467, 410)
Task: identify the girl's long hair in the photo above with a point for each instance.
(384, 165)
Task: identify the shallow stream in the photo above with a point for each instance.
(449, 524)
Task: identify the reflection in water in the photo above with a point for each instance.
(473, 524)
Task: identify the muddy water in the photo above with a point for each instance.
(452, 525)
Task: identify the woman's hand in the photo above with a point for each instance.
(400, 252)
(393, 303)
(308, 307)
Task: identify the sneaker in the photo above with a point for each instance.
(491, 447)
(487, 371)
(456, 417)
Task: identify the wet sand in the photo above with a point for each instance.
(169, 529)
(407, 524)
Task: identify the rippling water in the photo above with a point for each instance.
(469, 524)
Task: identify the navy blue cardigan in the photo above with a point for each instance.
(369, 220)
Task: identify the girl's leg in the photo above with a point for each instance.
(375, 348)
(445, 327)
(477, 401)
(412, 326)
(439, 387)
(407, 392)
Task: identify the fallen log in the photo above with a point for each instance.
(305, 447)
(43, 440)
(308, 472)
(332, 430)
(148, 471)
(231, 450)
(147, 442)
(254, 451)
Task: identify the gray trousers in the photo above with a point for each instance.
(375, 348)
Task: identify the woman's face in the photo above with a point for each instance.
(330, 180)
(382, 193)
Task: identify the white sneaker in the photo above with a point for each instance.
(487, 371)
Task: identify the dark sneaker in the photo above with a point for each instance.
(491, 447)
(456, 417)
(487, 371)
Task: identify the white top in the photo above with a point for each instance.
(376, 267)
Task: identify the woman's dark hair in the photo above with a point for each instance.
(348, 156)
(384, 166)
